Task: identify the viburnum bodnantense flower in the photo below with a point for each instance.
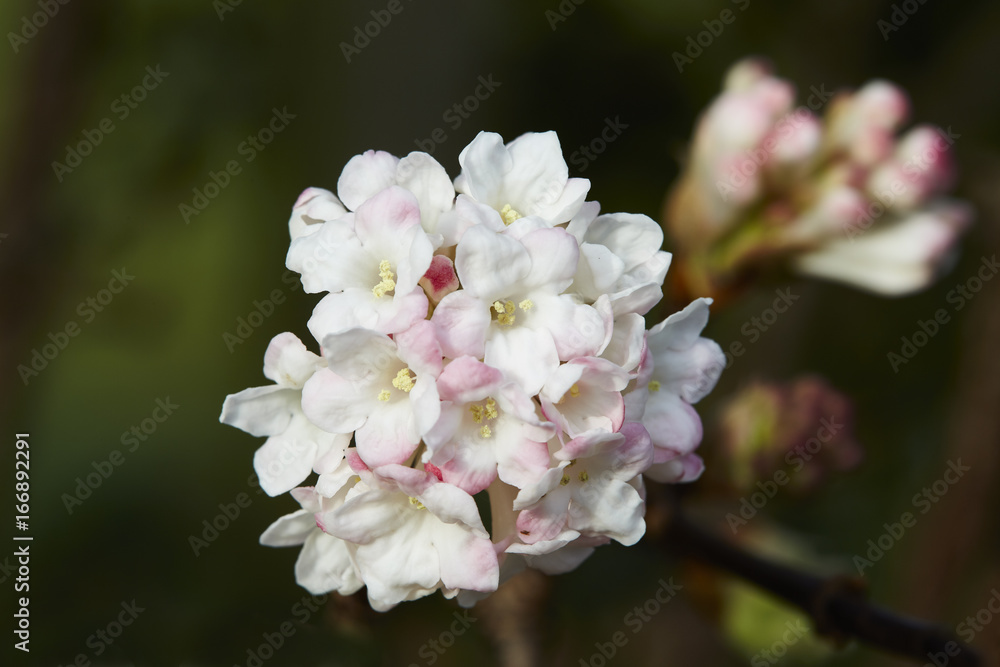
(478, 340)
(841, 197)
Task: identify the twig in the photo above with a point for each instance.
(837, 605)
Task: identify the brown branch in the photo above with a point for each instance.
(837, 605)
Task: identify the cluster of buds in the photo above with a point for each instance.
(840, 198)
(803, 427)
(483, 350)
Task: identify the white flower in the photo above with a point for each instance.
(527, 177)
(295, 446)
(410, 534)
(511, 311)
(381, 388)
(370, 261)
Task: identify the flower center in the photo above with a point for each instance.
(417, 504)
(387, 282)
(654, 385)
(506, 315)
(509, 215)
(403, 382)
(485, 414)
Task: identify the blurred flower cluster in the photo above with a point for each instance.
(482, 339)
(840, 197)
(804, 427)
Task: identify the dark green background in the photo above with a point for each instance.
(163, 335)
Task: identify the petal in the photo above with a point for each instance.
(490, 265)
(290, 530)
(364, 176)
(288, 362)
(461, 321)
(325, 565)
(261, 411)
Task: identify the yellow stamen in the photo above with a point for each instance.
(491, 409)
(384, 395)
(477, 413)
(574, 391)
(483, 413)
(584, 476)
(416, 503)
(485, 431)
(526, 305)
(403, 381)
(505, 312)
(388, 282)
(654, 385)
(509, 215)
(564, 481)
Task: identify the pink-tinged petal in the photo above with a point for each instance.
(440, 279)
(336, 404)
(288, 362)
(324, 565)
(358, 308)
(467, 213)
(520, 461)
(554, 254)
(485, 162)
(673, 424)
(290, 530)
(565, 558)
(461, 321)
(419, 349)
(590, 444)
(466, 380)
(389, 435)
(490, 264)
(527, 357)
(386, 217)
(411, 481)
(677, 471)
(546, 519)
(468, 562)
(364, 176)
(472, 469)
(261, 411)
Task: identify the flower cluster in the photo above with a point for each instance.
(839, 198)
(481, 340)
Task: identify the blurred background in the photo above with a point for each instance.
(150, 156)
